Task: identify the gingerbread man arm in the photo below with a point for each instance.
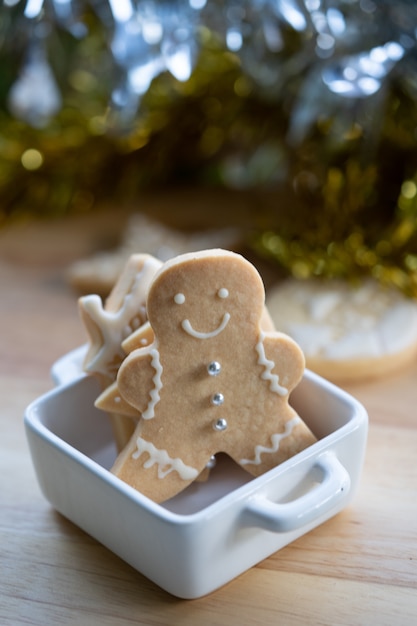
(283, 358)
(142, 337)
(111, 401)
(139, 379)
(157, 470)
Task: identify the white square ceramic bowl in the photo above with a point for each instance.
(214, 530)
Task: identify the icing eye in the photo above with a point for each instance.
(223, 293)
(179, 298)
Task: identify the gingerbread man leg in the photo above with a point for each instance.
(153, 471)
(287, 439)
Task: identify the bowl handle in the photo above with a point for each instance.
(319, 501)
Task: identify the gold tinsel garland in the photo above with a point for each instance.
(340, 201)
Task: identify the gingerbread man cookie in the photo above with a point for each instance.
(213, 380)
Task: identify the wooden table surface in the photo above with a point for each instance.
(358, 568)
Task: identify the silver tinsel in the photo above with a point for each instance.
(356, 44)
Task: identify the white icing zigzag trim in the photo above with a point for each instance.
(149, 413)
(269, 365)
(275, 439)
(163, 460)
(186, 324)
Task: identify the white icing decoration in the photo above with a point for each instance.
(223, 293)
(275, 440)
(179, 298)
(269, 365)
(322, 306)
(149, 413)
(199, 335)
(340, 322)
(137, 322)
(163, 460)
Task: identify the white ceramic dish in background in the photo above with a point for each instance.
(214, 530)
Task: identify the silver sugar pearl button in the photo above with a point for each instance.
(214, 368)
(220, 424)
(217, 399)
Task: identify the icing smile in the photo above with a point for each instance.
(195, 333)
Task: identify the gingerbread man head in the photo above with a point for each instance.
(200, 296)
(212, 380)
